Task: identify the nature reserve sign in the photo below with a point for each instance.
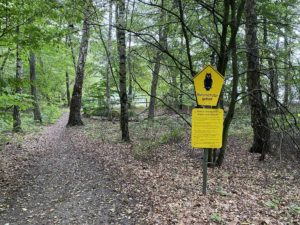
(207, 122)
(207, 128)
(208, 85)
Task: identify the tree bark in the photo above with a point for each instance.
(70, 44)
(174, 88)
(129, 61)
(19, 74)
(271, 100)
(261, 141)
(75, 106)
(108, 70)
(236, 15)
(4, 62)
(223, 53)
(276, 72)
(68, 88)
(157, 61)
(287, 86)
(154, 84)
(36, 109)
(235, 74)
(121, 25)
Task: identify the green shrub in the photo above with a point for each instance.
(151, 134)
(174, 136)
(6, 121)
(4, 139)
(115, 114)
(94, 111)
(132, 113)
(50, 113)
(144, 150)
(24, 101)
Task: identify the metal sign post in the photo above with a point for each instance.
(205, 159)
(207, 123)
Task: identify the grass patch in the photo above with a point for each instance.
(50, 114)
(241, 126)
(144, 150)
(150, 134)
(146, 135)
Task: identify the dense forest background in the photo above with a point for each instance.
(96, 98)
(118, 59)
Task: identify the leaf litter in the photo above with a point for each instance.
(85, 175)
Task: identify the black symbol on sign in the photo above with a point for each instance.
(208, 82)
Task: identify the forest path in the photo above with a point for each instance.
(86, 175)
(65, 184)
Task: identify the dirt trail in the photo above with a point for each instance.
(64, 184)
(81, 175)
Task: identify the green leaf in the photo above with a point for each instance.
(216, 217)
(222, 192)
(272, 204)
(295, 208)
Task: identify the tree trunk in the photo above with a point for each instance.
(235, 82)
(4, 62)
(154, 83)
(129, 62)
(236, 15)
(70, 44)
(221, 67)
(155, 72)
(19, 74)
(287, 86)
(261, 142)
(108, 69)
(275, 87)
(121, 25)
(75, 106)
(36, 109)
(223, 53)
(271, 70)
(68, 88)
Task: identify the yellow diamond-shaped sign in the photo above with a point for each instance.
(208, 85)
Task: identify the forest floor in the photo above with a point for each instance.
(85, 175)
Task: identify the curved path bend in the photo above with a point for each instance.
(65, 184)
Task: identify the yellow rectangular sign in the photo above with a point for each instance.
(207, 128)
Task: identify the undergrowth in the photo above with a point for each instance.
(154, 133)
(146, 135)
(50, 114)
